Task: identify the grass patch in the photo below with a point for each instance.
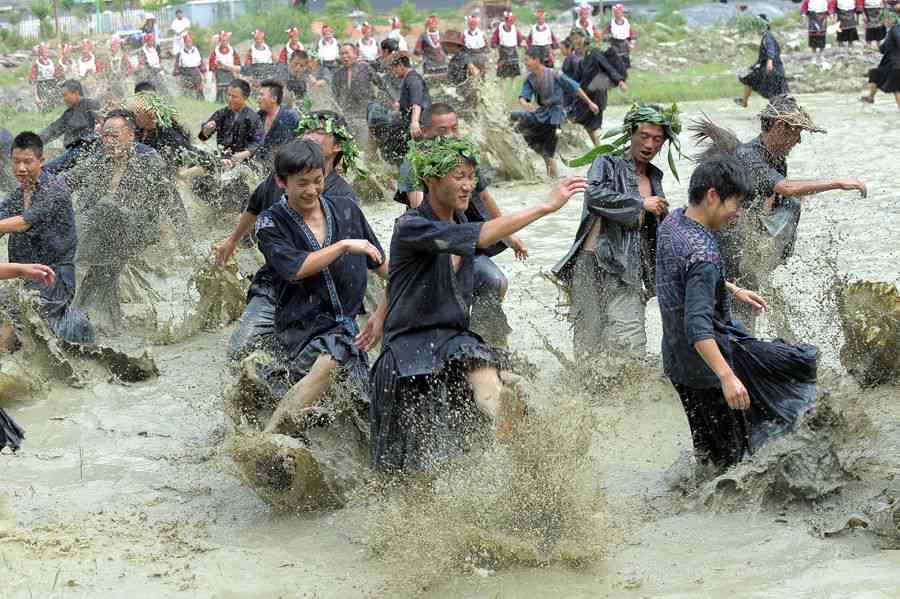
(14, 76)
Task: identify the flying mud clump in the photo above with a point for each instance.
(870, 318)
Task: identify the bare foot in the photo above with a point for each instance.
(867, 100)
(741, 102)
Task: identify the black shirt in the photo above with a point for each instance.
(76, 124)
(50, 238)
(413, 91)
(236, 131)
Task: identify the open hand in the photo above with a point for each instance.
(225, 251)
(751, 298)
(623, 86)
(518, 246)
(564, 190)
(371, 333)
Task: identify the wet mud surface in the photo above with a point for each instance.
(129, 488)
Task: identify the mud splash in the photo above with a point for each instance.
(535, 502)
(870, 319)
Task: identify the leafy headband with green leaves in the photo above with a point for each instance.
(154, 104)
(434, 158)
(667, 118)
(313, 121)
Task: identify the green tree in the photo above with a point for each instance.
(336, 15)
(42, 11)
(407, 13)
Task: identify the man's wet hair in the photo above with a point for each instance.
(144, 86)
(28, 140)
(298, 156)
(437, 109)
(125, 115)
(352, 46)
(72, 86)
(276, 88)
(299, 55)
(402, 59)
(390, 45)
(534, 52)
(241, 85)
(723, 173)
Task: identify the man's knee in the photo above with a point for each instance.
(489, 279)
(486, 389)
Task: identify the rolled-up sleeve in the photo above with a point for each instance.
(437, 237)
(700, 301)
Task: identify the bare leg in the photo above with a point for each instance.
(897, 98)
(503, 405)
(595, 136)
(8, 339)
(552, 171)
(870, 99)
(302, 396)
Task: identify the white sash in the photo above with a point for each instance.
(151, 57)
(47, 71)
(368, 51)
(86, 66)
(328, 52)
(225, 58)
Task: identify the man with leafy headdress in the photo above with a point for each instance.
(159, 128)
(434, 372)
(610, 266)
(763, 238)
(329, 131)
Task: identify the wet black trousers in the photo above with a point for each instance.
(720, 434)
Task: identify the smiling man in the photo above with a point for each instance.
(434, 375)
(610, 267)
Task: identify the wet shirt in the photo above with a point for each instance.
(236, 131)
(51, 236)
(693, 299)
(458, 67)
(353, 97)
(413, 91)
(476, 212)
(75, 124)
(283, 130)
(428, 303)
(310, 307)
(173, 145)
(549, 94)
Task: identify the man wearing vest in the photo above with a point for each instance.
(620, 34)
(189, 66)
(543, 38)
(329, 51)
(225, 63)
(44, 76)
(476, 44)
(507, 39)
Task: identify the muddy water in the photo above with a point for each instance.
(129, 491)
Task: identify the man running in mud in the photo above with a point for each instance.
(613, 257)
(352, 89)
(279, 123)
(121, 192)
(763, 238)
(239, 130)
(257, 324)
(433, 372)
(320, 251)
(490, 286)
(75, 125)
(731, 386)
(40, 222)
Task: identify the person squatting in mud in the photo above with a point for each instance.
(738, 393)
(757, 242)
(121, 191)
(491, 285)
(329, 130)
(433, 371)
(542, 111)
(609, 270)
(320, 250)
(40, 221)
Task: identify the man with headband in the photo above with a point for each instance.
(763, 238)
(610, 266)
(434, 375)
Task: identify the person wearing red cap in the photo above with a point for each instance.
(88, 65)
(543, 38)
(817, 12)
(225, 63)
(621, 35)
(367, 48)
(476, 44)
(44, 76)
(149, 64)
(585, 23)
(259, 52)
(428, 46)
(507, 39)
(189, 66)
(292, 46)
(396, 33)
(329, 50)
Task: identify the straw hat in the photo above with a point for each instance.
(785, 108)
(453, 37)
